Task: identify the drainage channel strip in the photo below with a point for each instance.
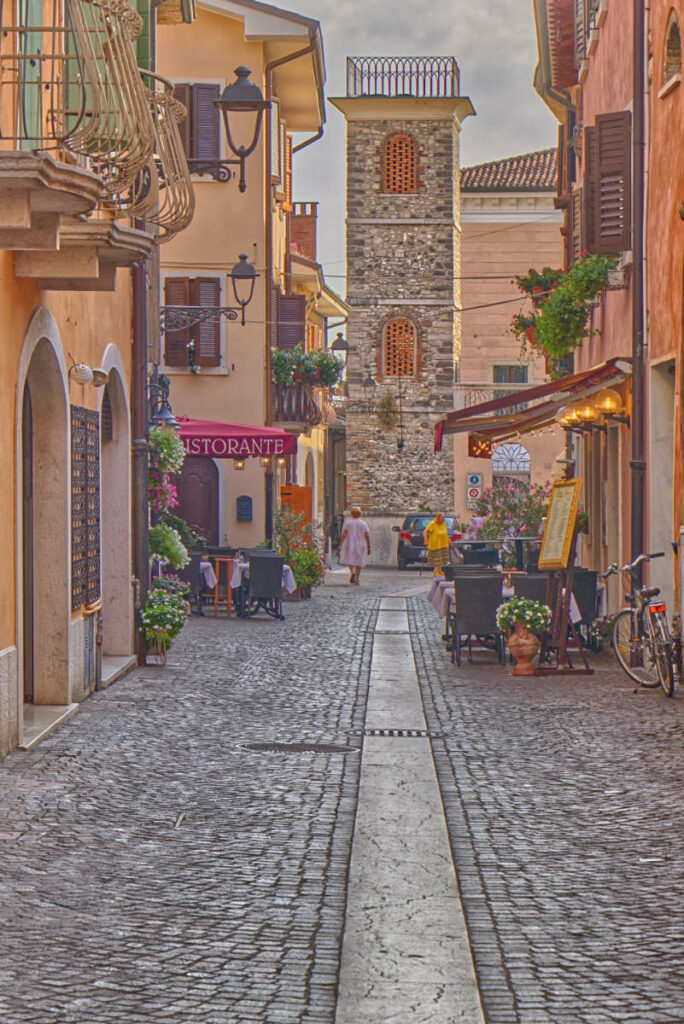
(410, 734)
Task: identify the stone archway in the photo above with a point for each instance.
(115, 484)
(44, 563)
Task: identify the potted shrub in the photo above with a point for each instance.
(308, 569)
(295, 366)
(523, 620)
(165, 613)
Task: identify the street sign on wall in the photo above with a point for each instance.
(473, 489)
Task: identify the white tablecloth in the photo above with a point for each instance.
(239, 568)
(441, 595)
(208, 574)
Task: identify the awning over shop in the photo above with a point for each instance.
(497, 419)
(233, 440)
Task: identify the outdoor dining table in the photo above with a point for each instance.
(442, 593)
(499, 542)
(240, 569)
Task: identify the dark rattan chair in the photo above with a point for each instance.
(480, 556)
(265, 585)
(474, 614)
(533, 586)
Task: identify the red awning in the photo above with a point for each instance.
(492, 421)
(233, 440)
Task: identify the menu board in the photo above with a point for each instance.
(560, 525)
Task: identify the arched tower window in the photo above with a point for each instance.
(672, 59)
(399, 349)
(400, 164)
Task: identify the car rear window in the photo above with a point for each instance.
(420, 522)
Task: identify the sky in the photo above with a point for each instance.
(495, 45)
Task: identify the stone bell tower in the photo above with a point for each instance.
(403, 117)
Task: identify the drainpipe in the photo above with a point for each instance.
(139, 426)
(270, 313)
(638, 460)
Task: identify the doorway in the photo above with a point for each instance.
(27, 541)
(198, 488)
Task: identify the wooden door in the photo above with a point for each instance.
(198, 497)
(299, 499)
(27, 541)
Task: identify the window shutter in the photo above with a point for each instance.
(176, 293)
(287, 205)
(183, 93)
(275, 142)
(580, 31)
(608, 162)
(291, 321)
(274, 315)
(205, 122)
(577, 225)
(207, 335)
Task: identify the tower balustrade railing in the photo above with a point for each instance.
(417, 77)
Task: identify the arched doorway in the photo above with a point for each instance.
(198, 497)
(45, 575)
(115, 476)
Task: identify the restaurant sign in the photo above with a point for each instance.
(234, 447)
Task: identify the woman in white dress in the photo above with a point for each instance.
(355, 544)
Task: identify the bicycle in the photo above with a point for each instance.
(642, 640)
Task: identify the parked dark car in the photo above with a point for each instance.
(410, 545)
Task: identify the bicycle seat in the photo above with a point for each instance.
(649, 592)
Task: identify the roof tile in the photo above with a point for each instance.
(531, 172)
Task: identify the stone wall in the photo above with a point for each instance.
(9, 701)
(403, 260)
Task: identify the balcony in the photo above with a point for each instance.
(466, 395)
(76, 120)
(419, 77)
(294, 408)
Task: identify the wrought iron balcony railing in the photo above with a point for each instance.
(69, 81)
(467, 395)
(162, 193)
(427, 77)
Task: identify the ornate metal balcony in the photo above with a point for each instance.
(162, 193)
(426, 77)
(294, 407)
(69, 82)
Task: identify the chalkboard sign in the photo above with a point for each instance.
(244, 509)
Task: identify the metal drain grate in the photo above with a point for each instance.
(301, 748)
(411, 734)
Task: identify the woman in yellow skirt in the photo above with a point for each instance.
(436, 537)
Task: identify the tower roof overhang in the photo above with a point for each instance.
(403, 108)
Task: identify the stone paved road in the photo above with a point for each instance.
(564, 803)
(565, 806)
(111, 913)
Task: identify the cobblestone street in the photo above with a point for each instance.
(154, 867)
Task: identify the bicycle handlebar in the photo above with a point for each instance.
(614, 568)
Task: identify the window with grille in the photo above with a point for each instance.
(672, 64)
(400, 164)
(399, 358)
(194, 291)
(510, 373)
(200, 131)
(106, 419)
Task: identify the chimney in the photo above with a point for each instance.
(303, 229)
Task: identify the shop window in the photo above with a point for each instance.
(672, 61)
(399, 349)
(400, 164)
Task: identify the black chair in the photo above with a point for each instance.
(480, 556)
(474, 614)
(585, 590)
(452, 570)
(192, 575)
(532, 586)
(264, 588)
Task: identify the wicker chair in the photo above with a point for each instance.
(265, 586)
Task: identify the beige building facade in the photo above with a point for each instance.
(509, 224)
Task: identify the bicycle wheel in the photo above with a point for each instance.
(637, 659)
(664, 656)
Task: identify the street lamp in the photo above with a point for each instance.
(160, 414)
(242, 97)
(340, 346)
(243, 277)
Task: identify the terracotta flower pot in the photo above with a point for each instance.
(523, 645)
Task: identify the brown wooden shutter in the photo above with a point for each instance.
(291, 320)
(176, 293)
(207, 335)
(287, 205)
(183, 92)
(205, 122)
(577, 224)
(580, 31)
(608, 162)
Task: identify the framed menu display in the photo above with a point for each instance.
(560, 525)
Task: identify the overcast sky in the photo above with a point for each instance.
(494, 44)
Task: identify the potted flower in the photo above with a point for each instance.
(523, 620)
(164, 615)
(295, 366)
(308, 569)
